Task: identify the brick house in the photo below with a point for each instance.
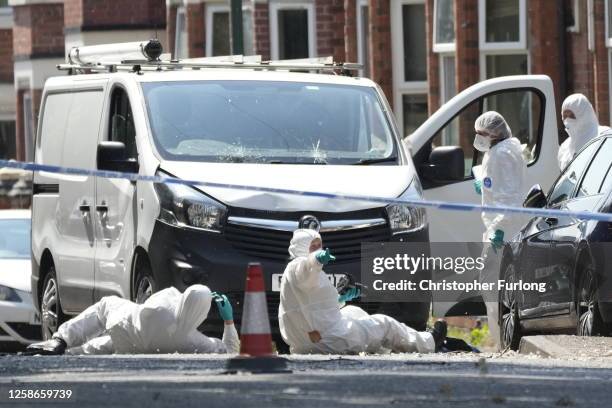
(421, 52)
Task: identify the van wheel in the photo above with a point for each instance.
(145, 284)
(589, 322)
(52, 315)
(509, 324)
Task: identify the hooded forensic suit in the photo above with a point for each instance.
(581, 130)
(503, 184)
(166, 322)
(312, 320)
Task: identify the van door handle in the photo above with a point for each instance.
(84, 208)
(102, 208)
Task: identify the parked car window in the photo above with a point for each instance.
(122, 122)
(268, 121)
(15, 239)
(593, 178)
(566, 184)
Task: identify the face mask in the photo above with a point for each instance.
(482, 143)
(570, 125)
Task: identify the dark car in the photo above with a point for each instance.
(570, 257)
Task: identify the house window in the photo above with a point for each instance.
(363, 37)
(8, 147)
(573, 16)
(180, 38)
(444, 26)
(502, 24)
(217, 30)
(409, 63)
(292, 30)
(414, 108)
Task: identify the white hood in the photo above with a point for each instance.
(15, 273)
(373, 180)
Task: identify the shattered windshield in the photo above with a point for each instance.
(268, 122)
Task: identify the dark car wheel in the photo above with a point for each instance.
(589, 322)
(52, 315)
(144, 285)
(509, 324)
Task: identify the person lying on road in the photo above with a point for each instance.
(166, 322)
(313, 318)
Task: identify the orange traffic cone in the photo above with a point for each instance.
(256, 354)
(255, 334)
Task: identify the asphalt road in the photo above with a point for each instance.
(316, 381)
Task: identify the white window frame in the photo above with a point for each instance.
(441, 47)
(180, 10)
(576, 10)
(275, 6)
(400, 86)
(361, 47)
(590, 26)
(607, 13)
(211, 9)
(482, 26)
(610, 81)
(443, 97)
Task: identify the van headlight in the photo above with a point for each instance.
(183, 206)
(404, 218)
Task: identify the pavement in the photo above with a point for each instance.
(439, 380)
(567, 347)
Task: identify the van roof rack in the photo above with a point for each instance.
(147, 56)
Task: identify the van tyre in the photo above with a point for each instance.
(144, 284)
(509, 323)
(51, 313)
(589, 320)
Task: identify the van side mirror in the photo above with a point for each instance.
(446, 164)
(112, 156)
(535, 198)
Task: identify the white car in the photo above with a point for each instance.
(19, 321)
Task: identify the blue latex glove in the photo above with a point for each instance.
(324, 257)
(478, 186)
(497, 240)
(350, 294)
(224, 306)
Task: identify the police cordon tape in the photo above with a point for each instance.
(442, 205)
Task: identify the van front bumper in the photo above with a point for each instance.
(181, 257)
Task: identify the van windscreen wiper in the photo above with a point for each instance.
(285, 162)
(363, 162)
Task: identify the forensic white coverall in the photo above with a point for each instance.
(312, 320)
(165, 323)
(580, 130)
(503, 184)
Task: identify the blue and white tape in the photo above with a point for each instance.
(442, 205)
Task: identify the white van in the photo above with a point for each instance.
(94, 236)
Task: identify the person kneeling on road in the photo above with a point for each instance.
(167, 322)
(313, 319)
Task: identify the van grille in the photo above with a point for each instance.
(273, 244)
